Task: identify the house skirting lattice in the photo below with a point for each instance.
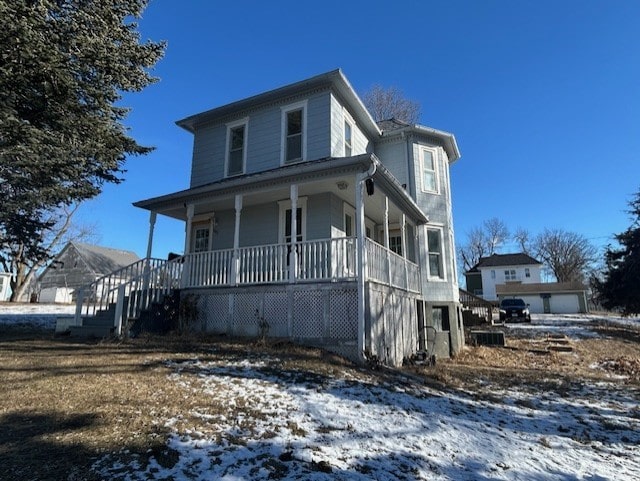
(317, 314)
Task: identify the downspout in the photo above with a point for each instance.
(362, 257)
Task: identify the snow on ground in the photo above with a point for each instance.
(34, 315)
(574, 326)
(289, 424)
(286, 424)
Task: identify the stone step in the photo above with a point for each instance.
(90, 331)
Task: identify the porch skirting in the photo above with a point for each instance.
(321, 314)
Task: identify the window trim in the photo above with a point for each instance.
(283, 206)
(230, 126)
(434, 156)
(440, 230)
(283, 131)
(200, 227)
(348, 120)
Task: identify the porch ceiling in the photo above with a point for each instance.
(337, 176)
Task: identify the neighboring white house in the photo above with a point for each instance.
(497, 269)
(549, 297)
(5, 291)
(305, 214)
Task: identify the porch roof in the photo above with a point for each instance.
(173, 205)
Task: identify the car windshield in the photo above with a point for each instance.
(513, 303)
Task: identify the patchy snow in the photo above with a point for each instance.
(34, 315)
(574, 326)
(288, 424)
(272, 423)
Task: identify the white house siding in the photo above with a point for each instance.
(391, 325)
(5, 291)
(264, 137)
(393, 154)
(360, 143)
(489, 283)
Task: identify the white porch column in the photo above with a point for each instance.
(236, 242)
(293, 255)
(152, 224)
(403, 236)
(361, 259)
(385, 206)
(188, 229)
(186, 273)
(147, 264)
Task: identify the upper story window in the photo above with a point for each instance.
(434, 248)
(510, 275)
(429, 174)
(527, 272)
(236, 148)
(348, 142)
(294, 132)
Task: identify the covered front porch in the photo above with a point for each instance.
(301, 246)
(352, 221)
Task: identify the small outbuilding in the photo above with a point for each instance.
(548, 297)
(77, 265)
(5, 292)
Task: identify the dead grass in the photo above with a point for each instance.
(65, 403)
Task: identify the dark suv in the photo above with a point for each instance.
(514, 309)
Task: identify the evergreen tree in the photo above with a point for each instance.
(64, 66)
(620, 289)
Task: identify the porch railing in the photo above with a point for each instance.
(326, 259)
(479, 306)
(317, 260)
(387, 267)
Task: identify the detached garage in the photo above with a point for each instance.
(548, 297)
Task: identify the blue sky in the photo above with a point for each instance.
(542, 97)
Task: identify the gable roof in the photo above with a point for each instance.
(334, 79)
(501, 260)
(103, 260)
(99, 260)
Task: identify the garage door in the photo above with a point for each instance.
(564, 304)
(535, 304)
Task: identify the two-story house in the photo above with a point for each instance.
(306, 216)
(500, 269)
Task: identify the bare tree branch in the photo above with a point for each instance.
(388, 103)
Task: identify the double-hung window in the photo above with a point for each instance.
(434, 248)
(348, 142)
(236, 148)
(510, 275)
(201, 239)
(429, 175)
(294, 133)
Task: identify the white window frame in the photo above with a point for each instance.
(527, 272)
(196, 229)
(434, 156)
(440, 230)
(349, 210)
(230, 126)
(348, 120)
(510, 275)
(283, 128)
(285, 205)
